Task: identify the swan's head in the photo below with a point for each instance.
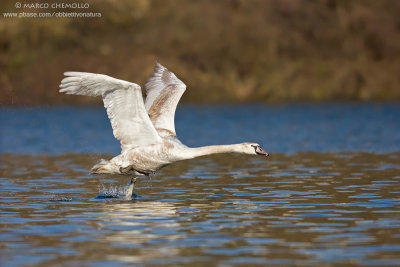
(253, 149)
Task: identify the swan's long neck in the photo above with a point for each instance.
(209, 150)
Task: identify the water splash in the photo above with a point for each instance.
(55, 198)
(120, 192)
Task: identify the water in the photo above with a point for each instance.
(328, 195)
(279, 129)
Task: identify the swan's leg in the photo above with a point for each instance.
(129, 192)
(125, 170)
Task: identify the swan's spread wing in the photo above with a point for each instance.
(163, 90)
(124, 104)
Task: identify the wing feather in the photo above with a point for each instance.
(163, 92)
(124, 104)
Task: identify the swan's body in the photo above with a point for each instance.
(146, 130)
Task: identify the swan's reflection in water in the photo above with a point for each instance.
(140, 222)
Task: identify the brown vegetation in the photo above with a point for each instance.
(255, 50)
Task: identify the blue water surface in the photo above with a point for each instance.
(315, 202)
(344, 127)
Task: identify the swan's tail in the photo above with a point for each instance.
(103, 166)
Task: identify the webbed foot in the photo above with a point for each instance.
(129, 191)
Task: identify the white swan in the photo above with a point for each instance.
(146, 130)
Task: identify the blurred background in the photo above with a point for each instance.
(225, 51)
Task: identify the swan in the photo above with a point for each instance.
(145, 129)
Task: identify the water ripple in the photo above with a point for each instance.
(302, 209)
